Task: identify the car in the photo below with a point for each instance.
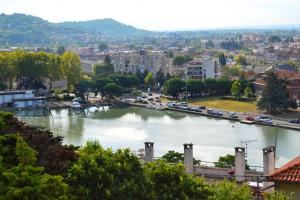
(202, 107)
(75, 105)
(261, 118)
(267, 121)
(218, 113)
(250, 118)
(294, 121)
(233, 115)
(150, 99)
(196, 109)
(150, 94)
(210, 111)
(183, 103)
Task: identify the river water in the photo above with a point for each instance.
(169, 130)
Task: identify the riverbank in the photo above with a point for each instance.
(241, 119)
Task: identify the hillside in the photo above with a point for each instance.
(25, 30)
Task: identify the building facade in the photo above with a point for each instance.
(132, 61)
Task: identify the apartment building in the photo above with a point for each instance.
(132, 61)
(203, 68)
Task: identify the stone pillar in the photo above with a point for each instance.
(149, 152)
(188, 158)
(269, 160)
(240, 164)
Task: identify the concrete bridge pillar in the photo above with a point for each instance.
(240, 164)
(188, 158)
(149, 152)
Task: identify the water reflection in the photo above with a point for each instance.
(132, 126)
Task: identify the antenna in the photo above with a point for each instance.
(246, 143)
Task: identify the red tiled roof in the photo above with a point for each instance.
(287, 74)
(290, 172)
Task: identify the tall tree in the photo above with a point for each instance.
(71, 69)
(222, 58)
(236, 89)
(275, 97)
(149, 80)
(174, 87)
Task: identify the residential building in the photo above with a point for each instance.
(25, 98)
(132, 61)
(287, 178)
(203, 68)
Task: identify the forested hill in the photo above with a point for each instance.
(26, 30)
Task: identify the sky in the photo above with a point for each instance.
(163, 14)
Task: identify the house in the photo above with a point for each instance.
(287, 178)
(21, 98)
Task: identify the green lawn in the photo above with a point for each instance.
(216, 102)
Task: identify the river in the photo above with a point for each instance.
(169, 130)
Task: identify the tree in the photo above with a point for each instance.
(278, 196)
(230, 191)
(112, 90)
(19, 179)
(236, 89)
(103, 47)
(103, 69)
(104, 174)
(222, 58)
(180, 60)
(160, 77)
(149, 80)
(209, 44)
(241, 59)
(274, 38)
(71, 69)
(174, 86)
(100, 83)
(195, 87)
(176, 157)
(84, 87)
(60, 50)
(226, 161)
(171, 182)
(248, 92)
(274, 97)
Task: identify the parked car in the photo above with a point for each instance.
(210, 111)
(250, 118)
(268, 121)
(202, 107)
(183, 103)
(294, 121)
(233, 115)
(261, 118)
(196, 109)
(150, 94)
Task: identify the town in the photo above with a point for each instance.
(126, 113)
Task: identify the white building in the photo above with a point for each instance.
(203, 68)
(19, 99)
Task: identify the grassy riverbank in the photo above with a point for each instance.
(217, 102)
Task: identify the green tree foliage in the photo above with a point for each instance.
(180, 60)
(209, 44)
(278, 196)
(102, 47)
(275, 97)
(84, 87)
(241, 59)
(236, 89)
(112, 90)
(225, 161)
(222, 58)
(104, 174)
(274, 38)
(60, 50)
(230, 191)
(149, 80)
(160, 77)
(103, 69)
(248, 92)
(174, 87)
(231, 44)
(171, 182)
(229, 71)
(173, 157)
(19, 179)
(125, 81)
(71, 69)
(195, 87)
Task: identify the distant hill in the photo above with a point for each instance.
(26, 30)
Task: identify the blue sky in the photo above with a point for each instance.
(163, 14)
